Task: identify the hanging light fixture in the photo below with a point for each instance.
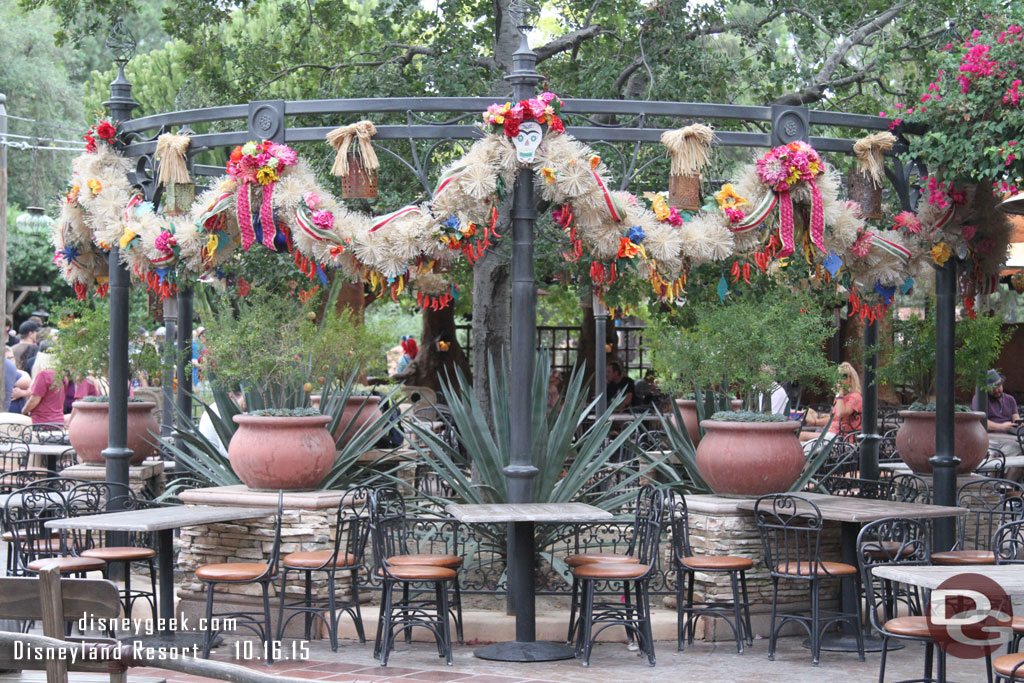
(34, 222)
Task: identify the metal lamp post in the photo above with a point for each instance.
(117, 454)
(945, 462)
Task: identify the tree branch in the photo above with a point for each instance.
(570, 41)
(824, 80)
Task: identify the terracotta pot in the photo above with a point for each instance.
(88, 432)
(290, 453)
(688, 409)
(363, 409)
(750, 458)
(915, 440)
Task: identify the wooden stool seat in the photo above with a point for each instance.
(315, 559)
(610, 570)
(915, 627)
(822, 569)
(119, 553)
(718, 563)
(426, 560)
(590, 558)
(412, 572)
(68, 564)
(964, 557)
(232, 571)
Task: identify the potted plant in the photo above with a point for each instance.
(742, 348)
(279, 350)
(82, 351)
(911, 368)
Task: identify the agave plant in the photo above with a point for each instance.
(207, 460)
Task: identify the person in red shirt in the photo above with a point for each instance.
(847, 409)
(46, 404)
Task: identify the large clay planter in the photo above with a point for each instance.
(915, 440)
(750, 458)
(363, 409)
(291, 453)
(688, 409)
(88, 431)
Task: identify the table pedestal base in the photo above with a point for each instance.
(520, 651)
(841, 642)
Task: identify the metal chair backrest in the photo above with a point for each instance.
(14, 453)
(887, 447)
(908, 488)
(25, 514)
(19, 479)
(994, 464)
(790, 530)
(387, 526)
(352, 524)
(991, 503)
(886, 542)
(1008, 543)
(679, 522)
(275, 551)
(92, 498)
(650, 504)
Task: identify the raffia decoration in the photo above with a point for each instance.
(171, 150)
(688, 148)
(341, 140)
(869, 151)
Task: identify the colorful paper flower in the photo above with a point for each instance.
(548, 174)
(727, 197)
(105, 130)
(862, 247)
(636, 234)
(734, 214)
(165, 241)
(126, 237)
(907, 221)
(312, 199)
(627, 249)
(941, 253)
(94, 185)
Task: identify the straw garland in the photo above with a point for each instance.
(416, 246)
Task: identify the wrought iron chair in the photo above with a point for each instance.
(92, 498)
(687, 564)
(907, 488)
(790, 527)
(887, 447)
(66, 459)
(994, 464)
(236, 573)
(990, 503)
(26, 513)
(14, 454)
(636, 619)
(19, 479)
(894, 610)
(50, 432)
(1008, 546)
(396, 567)
(352, 525)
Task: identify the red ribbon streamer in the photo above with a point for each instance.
(786, 223)
(267, 217)
(817, 217)
(245, 218)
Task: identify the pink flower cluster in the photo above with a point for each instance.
(323, 219)
(735, 215)
(862, 247)
(545, 108)
(260, 162)
(975, 64)
(783, 166)
(1012, 96)
(907, 221)
(165, 242)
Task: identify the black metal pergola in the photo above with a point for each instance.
(587, 120)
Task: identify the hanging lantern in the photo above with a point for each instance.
(356, 165)
(689, 149)
(179, 190)
(862, 189)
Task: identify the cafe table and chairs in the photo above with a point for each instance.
(989, 503)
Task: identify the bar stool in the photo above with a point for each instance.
(636, 620)
(991, 503)
(352, 526)
(1008, 546)
(397, 568)
(688, 563)
(897, 542)
(93, 498)
(790, 530)
(237, 573)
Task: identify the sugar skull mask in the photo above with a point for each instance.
(530, 134)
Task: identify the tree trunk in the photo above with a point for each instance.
(586, 350)
(491, 299)
(431, 364)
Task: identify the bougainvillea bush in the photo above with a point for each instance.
(972, 112)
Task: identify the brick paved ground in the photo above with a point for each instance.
(611, 663)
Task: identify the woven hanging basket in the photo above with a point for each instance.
(360, 182)
(863, 191)
(684, 192)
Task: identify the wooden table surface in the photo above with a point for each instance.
(157, 519)
(864, 510)
(528, 512)
(49, 448)
(1009, 577)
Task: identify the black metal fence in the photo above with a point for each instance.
(561, 343)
